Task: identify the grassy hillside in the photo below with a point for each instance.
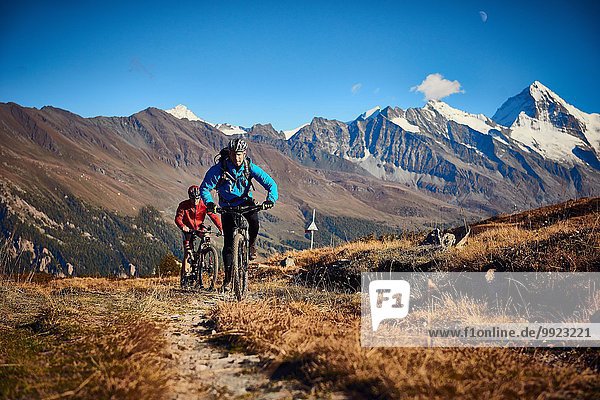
(556, 238)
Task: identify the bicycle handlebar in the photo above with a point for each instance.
(206, 231)
(239, 209)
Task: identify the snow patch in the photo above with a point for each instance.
(292, 132)
(369, 113)
(182, 112)
(229, 129)
(404, 124)
(477, 122)
(545, 139)
(499, 139)
(592, 130)
(376, 168)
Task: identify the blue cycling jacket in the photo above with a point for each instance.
(230, 192)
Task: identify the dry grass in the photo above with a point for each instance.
(83, 338)
(570, 245)
(319, 345)
(325, 255)
(321, 267)
(556, 238)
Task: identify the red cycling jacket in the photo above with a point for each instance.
(192, 216)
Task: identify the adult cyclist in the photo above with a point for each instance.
(189, 217)
(232, 177)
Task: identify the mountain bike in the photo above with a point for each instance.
(203, 259)
(241, 243)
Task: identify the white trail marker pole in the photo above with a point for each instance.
(312, 228)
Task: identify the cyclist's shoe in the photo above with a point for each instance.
(227, 281)
(225, 288)
(185, 282)
(252, 252)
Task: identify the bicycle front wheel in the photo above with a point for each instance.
(210, 267)
(184, 280)
(240, 266)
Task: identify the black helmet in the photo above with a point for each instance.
(194, 192)
(237, 145)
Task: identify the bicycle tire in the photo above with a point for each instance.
(183, 278)
(198, 268)
(240, 266)
(210, 258)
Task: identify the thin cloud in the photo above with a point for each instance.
(376, 90)
(356, 88)
(135, 65)
(484, 16)
(436, 87)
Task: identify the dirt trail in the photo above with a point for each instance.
(205, 370)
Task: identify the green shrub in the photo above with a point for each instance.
(169, 266)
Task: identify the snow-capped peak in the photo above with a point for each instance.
(292, 132)
(540, 92)
(538, 86)
(229, 129)
(544, 96)
(478, 122)
(541, 104)
(182, 112)
(537, 101)
(370, 113)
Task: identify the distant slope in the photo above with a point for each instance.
(150, 158)
(64, 236)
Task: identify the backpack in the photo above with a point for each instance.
(221, 159)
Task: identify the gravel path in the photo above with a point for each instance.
(208, 371)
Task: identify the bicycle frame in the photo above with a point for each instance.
(241, 225)
(240, 266)
(196, 261)
(204, 236)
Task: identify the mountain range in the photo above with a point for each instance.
(387, 170)
(537, 149)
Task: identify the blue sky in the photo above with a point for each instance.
(286, 62)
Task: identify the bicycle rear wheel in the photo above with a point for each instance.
(240, 266)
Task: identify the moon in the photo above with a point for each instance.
(483, 16)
